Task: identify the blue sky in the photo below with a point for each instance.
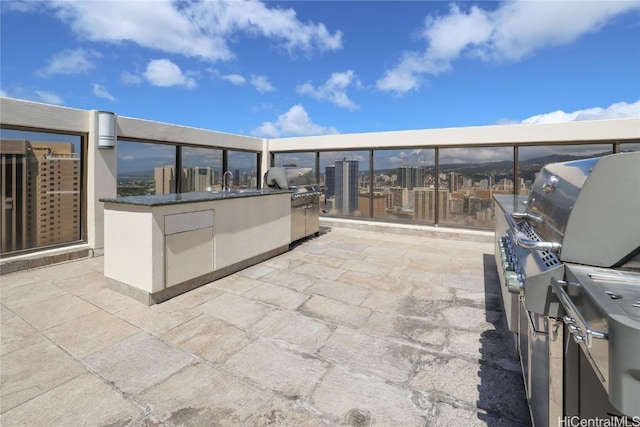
(277, 69)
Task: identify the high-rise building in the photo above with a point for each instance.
(399, 198)
(425, 204)
(198, 178)
(379, 200)
(420, 175)
(17, 204)
(58, 193)
(330, 180)
(346, 186)
(454, 183)
(505, 184)
(165, 178)
(409, 177)
(40, 198)
(478, 205)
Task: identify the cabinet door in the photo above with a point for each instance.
(313, 219)
(188, 255)
(298, 220)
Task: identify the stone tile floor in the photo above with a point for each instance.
(348, 328)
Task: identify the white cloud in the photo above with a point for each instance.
(130, 78)
(619, 110)
(295, 122)
(521, 28)
(475, 155)
(333, 90)
(236, 79)
(163, 72)
(70, 61)
(49, 97)
(405, 76)
(510, 32)
(3, 93)
(416, 157)
(127, 158)
(102, 92)
(262, 84)
(254, 17)
(192, 28)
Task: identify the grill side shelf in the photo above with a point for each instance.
(575, 321)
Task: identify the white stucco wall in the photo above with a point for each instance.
(546, 133)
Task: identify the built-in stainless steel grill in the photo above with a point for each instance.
(568, 258)
(305, 198)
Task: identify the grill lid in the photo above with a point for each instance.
(554, 193)
(591, 207)
(288, 177)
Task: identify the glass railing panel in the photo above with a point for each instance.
(531, 159)
(201, 169)
(631, 146)
(145, 168)
(468, 179)
(345, 175)
(301, 160)
(244, 167)
(404, 185)
(42, 190)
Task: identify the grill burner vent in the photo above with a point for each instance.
(549, 259)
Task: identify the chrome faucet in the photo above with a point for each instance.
(225, 181)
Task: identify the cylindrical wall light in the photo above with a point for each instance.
(106, 129)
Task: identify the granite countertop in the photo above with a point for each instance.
(174, 199)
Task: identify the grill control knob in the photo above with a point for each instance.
(513, 282)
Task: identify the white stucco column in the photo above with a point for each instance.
(102, 181)
(266, 160)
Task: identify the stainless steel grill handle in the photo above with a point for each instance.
(526, 215)
(577, 325)
(521, 240)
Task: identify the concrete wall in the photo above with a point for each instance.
(617, 130)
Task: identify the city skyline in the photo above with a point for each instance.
(561, 154)
(407, 193)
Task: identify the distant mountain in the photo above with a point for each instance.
(502, 169)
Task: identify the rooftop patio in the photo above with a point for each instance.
(351, 327)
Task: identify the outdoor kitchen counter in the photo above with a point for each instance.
(173, 199)
(160, 246)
